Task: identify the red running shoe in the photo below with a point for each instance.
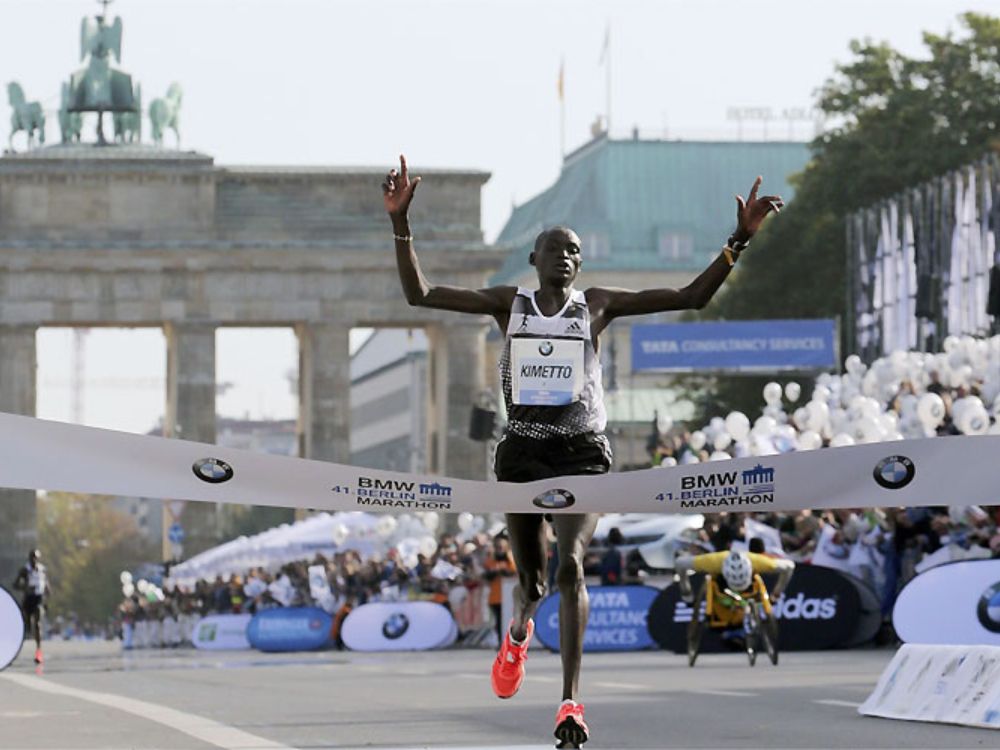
(508, 667)
(38, 656)
(571, 729)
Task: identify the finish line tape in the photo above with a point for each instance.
(37, 454)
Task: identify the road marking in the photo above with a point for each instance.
(621, 685)
(725, 693)
(206, 730)
(833, 702)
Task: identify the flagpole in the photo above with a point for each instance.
(608, 82)
(562, 108)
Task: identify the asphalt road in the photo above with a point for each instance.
(91, 695)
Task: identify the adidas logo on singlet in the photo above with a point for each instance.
(574, 327)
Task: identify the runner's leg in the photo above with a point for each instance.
(573, 533)
(527, 542)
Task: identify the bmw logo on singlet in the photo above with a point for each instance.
(894, 472)
(554, 499)
(212, 470)
(545, 348)
(395, 626)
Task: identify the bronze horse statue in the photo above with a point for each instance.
(26, 116)
(165, 112)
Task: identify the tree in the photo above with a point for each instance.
(85, 545)
(897, 121)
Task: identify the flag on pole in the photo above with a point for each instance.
(562, 80)
(607, 44)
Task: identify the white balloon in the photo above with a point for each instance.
(800, 418)
(339, 533)
(668, 461)
(697, 440)
(950, 343)
(689, 458)
(722, 441)
(384, 526)
(889, 422)
(819, 415)
(867, 430)
(719, 456)
(431, 520)
(871, 408)
(854, 365)
(128, 589)
(664, 422)
(464, 521)
(974, 421)
(717, 424)
(792, 391)
(809, 441)
(931, 410)
(765, 425)
(125, 577)
(840, 440)
(142, 585)
(428, 546)
(821, 393)
(772, 393)
(738, 425)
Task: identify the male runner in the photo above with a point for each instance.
(33, 580)
(555, 415)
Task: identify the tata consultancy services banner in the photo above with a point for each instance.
(735, 345)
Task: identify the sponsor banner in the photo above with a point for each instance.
(290, 629)
(735, 345)
(40, 454)
(399, 626)
(617, 619)
(11, 628)
(221, 632)
(819, 610)
(948, 684)
(955, 603)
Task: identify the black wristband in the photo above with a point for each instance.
(735, 245)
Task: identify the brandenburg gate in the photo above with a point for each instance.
(135, 235)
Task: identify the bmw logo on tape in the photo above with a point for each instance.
(395, 626)
(212, 470)
(894, 472)
(554, 499)
(545, 348)
(989, 608)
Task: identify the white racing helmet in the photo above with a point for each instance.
(737, 570)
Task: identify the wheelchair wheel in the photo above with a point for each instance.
(769, 635)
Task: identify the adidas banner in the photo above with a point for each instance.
(38, 454)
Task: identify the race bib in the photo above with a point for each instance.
(546, 372)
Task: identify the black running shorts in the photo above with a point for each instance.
(32, 605)
(524, 459)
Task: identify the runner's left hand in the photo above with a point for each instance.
(751, 213)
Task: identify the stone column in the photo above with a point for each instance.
(325, 391)
(18, 518)
(190, 415)
(458, 361)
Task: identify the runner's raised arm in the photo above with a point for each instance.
(397, 194)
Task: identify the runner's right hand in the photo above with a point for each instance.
(397, 190)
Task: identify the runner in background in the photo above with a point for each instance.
(551, 374)
(34, 582)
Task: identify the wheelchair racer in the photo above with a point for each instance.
(738, 573)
